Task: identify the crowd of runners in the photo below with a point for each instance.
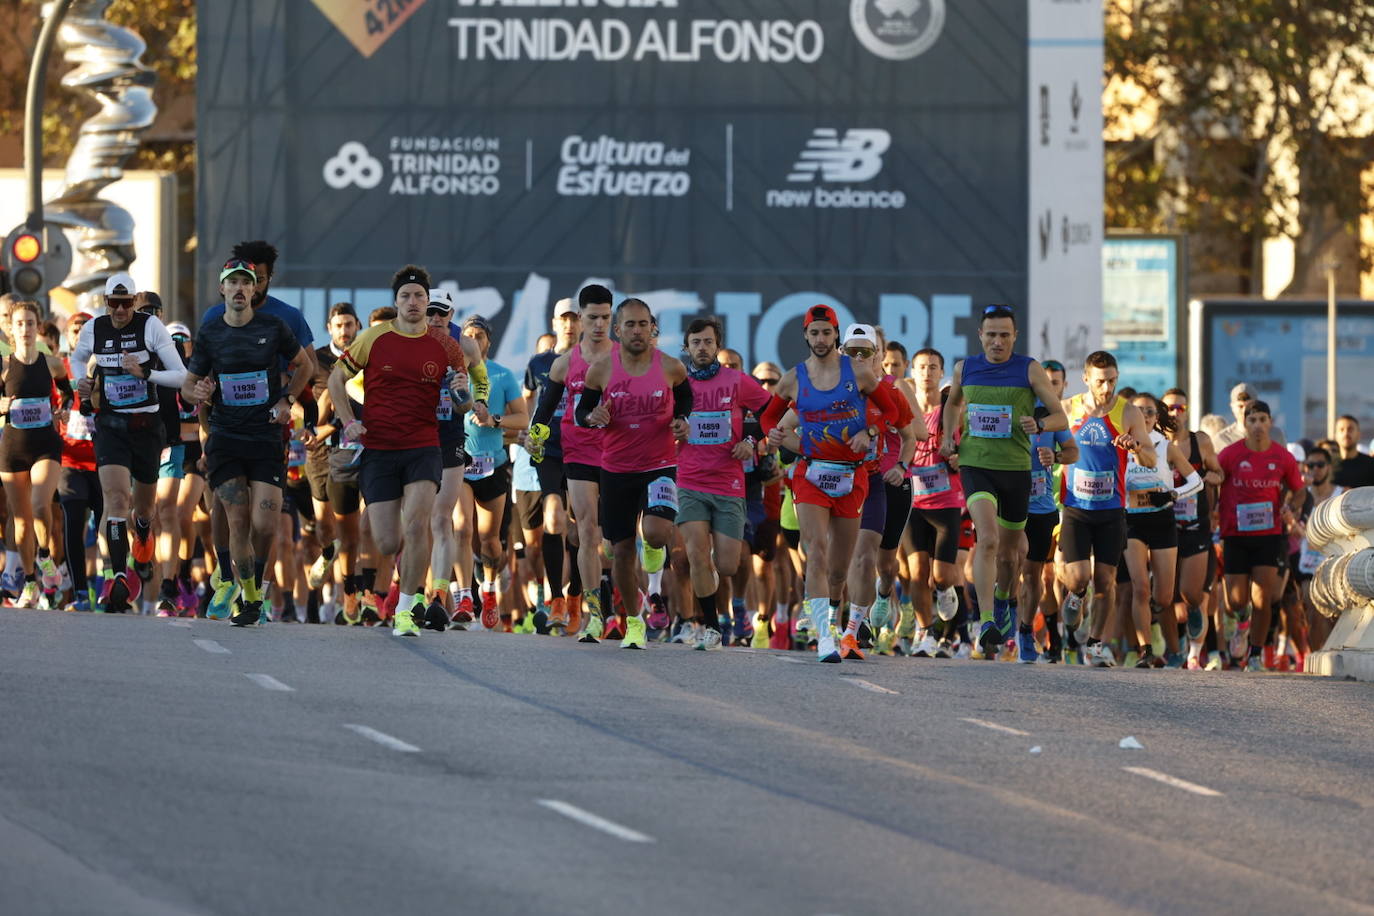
(866, 500)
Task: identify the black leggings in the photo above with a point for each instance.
(79, 492)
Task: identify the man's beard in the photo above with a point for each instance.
(826, 350)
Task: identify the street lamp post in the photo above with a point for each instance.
(1331, 348)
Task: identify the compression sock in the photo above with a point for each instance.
(574, 574)
(117, 537)
(856, 617)
(551, 546)
(707, 605)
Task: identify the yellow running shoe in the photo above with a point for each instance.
(222, 599)
(634, 633)
(403, 624)
(761, 634)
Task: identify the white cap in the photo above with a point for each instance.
(1297, 451)
(177, 327)
(564, 307)
(442, 298)
(113, 284)
(860, 332)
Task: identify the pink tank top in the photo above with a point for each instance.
(933, 484)
(581, 445)
(640, 436)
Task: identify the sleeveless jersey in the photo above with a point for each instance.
(996, 397)
(121, 392)
(640, 434)
(1191, 510)
(1139, 477)
(830, 417)
(1097, 480)
(30, 390)
(581, 445)
(933, 484)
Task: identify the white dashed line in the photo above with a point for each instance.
(382, 738)
(595, 821)
(179, 623)
(788, 658)
(995, 727)
(1174, 781)
(268, 682)
(209, 645)
(868, 685)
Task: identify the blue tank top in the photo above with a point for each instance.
(830, 417)
(1098, 479)
(1043, 491)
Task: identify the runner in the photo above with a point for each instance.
(234, 369)
(79, 490)
(134, 356)
(581, 457)
(1262, 493)
(1317, 474)
(401, 465)
(992, 403)
(31, 449)
(1193, 514)
(1051, 448)
(711, 478)
(1242, 395)
(486, 482)
(1092, 534)
(1353, 469)
(831, 395)
(647, 400)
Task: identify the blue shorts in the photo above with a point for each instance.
(172, 466)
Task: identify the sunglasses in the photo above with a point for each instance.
(860, 352)
(1178, 408)
(1001, 308)
(436, 310)
(766, 380)
(1314, 465)
(1053, 365)
(239, 264)
(119, 303)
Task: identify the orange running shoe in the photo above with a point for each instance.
(574, 606)
(141, 547)
(491, 617)
(558, 614)
(849, 647)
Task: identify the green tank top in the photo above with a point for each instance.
(996, 397)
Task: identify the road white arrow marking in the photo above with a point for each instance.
(596, 822)
(209, 645)
(268, 682)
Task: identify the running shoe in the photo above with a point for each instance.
(742, 631)
(927, 647)
(48, 576)
(350, 612)
(1072, 610)
(849, 647)
(946, 603)
(989, 640)
(165, 608)
(881, 612)
(369, 614)
(964, 651)
(12, 581)
(1240, 641)
(28, 596)
(558, 615)
(1254, 663)
(1099, 655)
(825, 649)
(634, 633)
(762, 633)
(222, 597)
(1196, 622)
(573, 603)
(612, 628)
(436, 616)
(403, 624)
(1026, 651)
(710, 639)
(1215, 662)
(135, 586)
(887, 642)
(491, 617)
(1173, 660)
(319, 570)
(114, 595)
(248, 614)
(593, 628)
(526, 624)
(186, 597)
(906, 622)
(1054, 654)
(1001, 615)
(80, 604)
(1147, 659)
(658, 612)
(462, 613)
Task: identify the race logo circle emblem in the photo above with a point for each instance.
(897, 29)
(430, 370)
(353, 164)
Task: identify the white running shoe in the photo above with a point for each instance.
(1100, 655)
(946, 603)
(825, 649)
(926, 648)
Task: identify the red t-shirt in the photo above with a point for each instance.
(401, 383)
(1253, 491)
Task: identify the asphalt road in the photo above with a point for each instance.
(150, 766)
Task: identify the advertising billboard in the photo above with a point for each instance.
(1142, 307)
(746, 160)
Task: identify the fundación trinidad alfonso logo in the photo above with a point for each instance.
(368, 23)
(897, 29)
(353, 164)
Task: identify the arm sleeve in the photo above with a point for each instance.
(85, 343)
(772, 414)
(549, 397)
(682, 399)
(64, 391)
(161, 343)
(586, 404)
(1190, 485)
(481, 381)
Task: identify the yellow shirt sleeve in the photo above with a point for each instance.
(355, 358)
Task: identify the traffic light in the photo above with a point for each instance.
(37, 260)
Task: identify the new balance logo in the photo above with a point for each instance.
(858, 156)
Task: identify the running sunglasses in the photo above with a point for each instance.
(112, 302)
(1054, 365)
(437, 310)
(859, 352)
(766, 380)
(1178, 408)
(1314, 465)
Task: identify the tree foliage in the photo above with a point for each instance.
(1223, 92)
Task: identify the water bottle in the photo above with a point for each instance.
(534, 441)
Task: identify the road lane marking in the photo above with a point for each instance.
(595, 821)
(868, 685)
(179, 623)
(268, 682)
(1174, 781)
(788, 658)
(209, 645)
(997, 728)
(382, 738)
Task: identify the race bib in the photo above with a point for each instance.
(663, 493)
(1040, 485)
(1254, 516)
(1185, 510)
(1309, 559)
(931, 480)
(30, 413)
(295, 454)
(1094, 486)
(481, 466)
(244, 389)
(831, 478)
(349, 444)
(125, 390)
(989, 421)
(444, 412)
(708, 427)
(78, 427)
